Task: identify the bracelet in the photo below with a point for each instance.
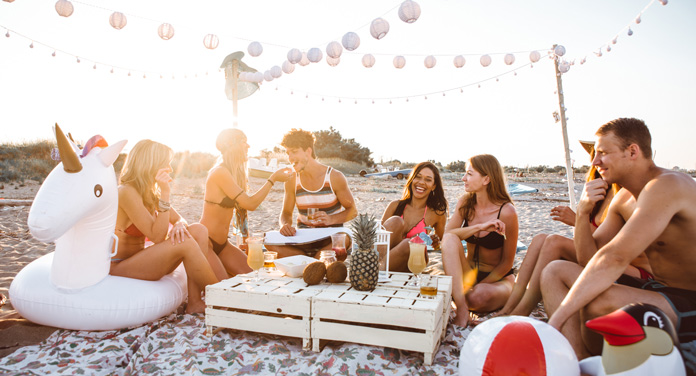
(164, 206)
(270, 181)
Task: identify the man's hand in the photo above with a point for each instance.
(287, 230)
(594, 192)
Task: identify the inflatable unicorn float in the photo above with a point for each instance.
(71, 288)
(639, 340)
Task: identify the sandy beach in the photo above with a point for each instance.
(371, 194)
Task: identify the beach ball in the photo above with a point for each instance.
(517, 345)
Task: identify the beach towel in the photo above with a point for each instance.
(178, 345)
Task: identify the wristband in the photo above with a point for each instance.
(270, 181)
(164, 206)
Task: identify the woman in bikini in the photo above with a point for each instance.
(227, 202)
(144, 212)
(487, 220)
(422, 204)
(546, 248)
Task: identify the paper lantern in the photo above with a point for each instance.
(399, 62)
(294, 56)
(486, 60)
(564, 67)
(333, 61)
(314, 55)
(334, 49)
(276, 72)
(559, 50)
(64, 8)
(663, 2)
(165, 31)
(268, 76)
(118, 20)
(534, 56)
(379, 28)
(368, 61)
(409, 11)
(288, 67)
(255, 49)
(211, 41)
(258, 77)
(509, 59)
(244, 76)
(350, 41)
(430, 61)
(305, 60)
(459, 61)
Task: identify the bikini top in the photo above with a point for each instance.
(418, 228)
(133, 231)
(227, 202)
(491, 241)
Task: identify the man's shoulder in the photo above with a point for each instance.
(674, 182)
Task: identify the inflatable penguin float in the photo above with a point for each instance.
(639, 340)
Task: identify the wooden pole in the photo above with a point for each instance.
(235, 68)
(569, 166)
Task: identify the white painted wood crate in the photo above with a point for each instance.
(393, 315)
(275, 305)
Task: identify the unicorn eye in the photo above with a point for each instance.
(98, 190)
(651, 319)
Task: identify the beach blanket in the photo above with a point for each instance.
(178, 345)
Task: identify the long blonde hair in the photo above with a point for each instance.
(233, 155)
(141, 166)
(486, 165)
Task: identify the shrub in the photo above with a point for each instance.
(192, 165)
(458, 166)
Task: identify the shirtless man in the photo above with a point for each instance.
(662, 223)
(314, 186)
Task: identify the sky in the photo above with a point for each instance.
(418, 114)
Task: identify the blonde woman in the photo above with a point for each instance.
(487, 220)
(227, 200)
(144, 211)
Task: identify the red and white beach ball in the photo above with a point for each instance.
(516, 345)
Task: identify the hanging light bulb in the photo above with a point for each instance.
(638, 19)
(613, 41)
(94, 66)
(608, 48)
(7, 34)
(78, 60)
(112, 70)
(53, 54)
(31, 45)
(629, 32)
(663, 2)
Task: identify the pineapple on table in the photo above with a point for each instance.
(364, 262)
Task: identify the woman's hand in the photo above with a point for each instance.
(163, 179)
(495, 225)
(282, 175)
(179, 232)
(563, 214)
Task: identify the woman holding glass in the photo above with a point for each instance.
(486, 219)
(422, 204)
(227, 201)
(144, 212)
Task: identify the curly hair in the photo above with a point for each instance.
(298, 138)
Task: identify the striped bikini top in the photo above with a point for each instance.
(323, 199)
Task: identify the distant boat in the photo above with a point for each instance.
(399, 174)
(258, 168)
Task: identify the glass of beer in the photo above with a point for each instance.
(269, 261)
(255, 255)
(428, 286)
(311, 212)
(416, 260)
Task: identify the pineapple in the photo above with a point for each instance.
(364, 263)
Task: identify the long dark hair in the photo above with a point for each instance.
(486, 165)
(436, 200)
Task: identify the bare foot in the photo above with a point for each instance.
(462, 318)
(195, 307)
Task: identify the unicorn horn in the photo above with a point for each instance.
(71, 163)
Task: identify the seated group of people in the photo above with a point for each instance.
(634, 237)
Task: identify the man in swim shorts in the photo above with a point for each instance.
(662, 224)
(314, 186)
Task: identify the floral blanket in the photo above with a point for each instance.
(178, 345)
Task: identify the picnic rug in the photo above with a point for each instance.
(179, 345)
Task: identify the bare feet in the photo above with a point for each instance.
(195, 307)
(462, 318)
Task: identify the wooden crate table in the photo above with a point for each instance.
(392, 315)
(275, 305)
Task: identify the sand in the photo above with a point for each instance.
(372, 195)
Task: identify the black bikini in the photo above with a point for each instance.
(492, 240)
(227, 203)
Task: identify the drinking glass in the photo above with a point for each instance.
(416, 261)
(338, 245)
(428, 286)
(255, 255)
(269, 261)
(310, 214)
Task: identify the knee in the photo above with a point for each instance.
(539, 239)
(394, 224)
(198, 232)
(554, 272)
(478, 297)
(450, 243)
